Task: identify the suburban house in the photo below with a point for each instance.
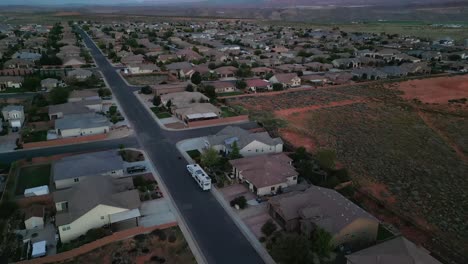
(183, 99)
(197, 111)
(318, 207)
(133, 59)
(181, 70)
(226, 71)
(82, 125)
(29, 56)
(80, 74)
(249, 144)
(396, 250)
(222, 87)
(49, 83)
(18, 64)
(73, 61)
(71, 170)
(34, 217)
(160, 89)
(93, 203)
(287, 79)
(76, 106)
(85, 95)
(265, 174)
(255, 85)
(142, 68)
(14, 114)
(69, 51)
(10, 82)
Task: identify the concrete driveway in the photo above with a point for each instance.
(193, 143)
(8, 142)
(156, 212)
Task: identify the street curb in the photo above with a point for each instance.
(262, 252)
(197, 252)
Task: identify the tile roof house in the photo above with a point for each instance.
(82, 125)
(181, 69)
(183, 99)
(226, 71)
(222, 86)
(397, 250)
(18, 64)
(133, 59)
(73, 61)
(265, 174)
(255, 85)
(327, 209)
(49, 83)
(197, 112)
(142, 68)
(160, 89)
(72, 169)
(188, 54)
(14, 114)
(287, 79)
(249, 144)
(28, 56)
(93, 203)
(11, 82)
(74, 107)
(80, 74)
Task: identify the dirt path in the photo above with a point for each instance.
(287, 112)
(443, 135)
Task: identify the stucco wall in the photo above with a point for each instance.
(90, 220)
(34, 223)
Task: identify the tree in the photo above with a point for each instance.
(156, 100)
(146, 90)
(211, 66)
(321, 242)
(277, 87)
(59, 95)
(300, 154)
(196, 78)
(257, 52)
(241, 84)
(235, 152)
(292, 249)
(189, 88)
(269, 228)
(103, 92)
(169, 104)
(326, 158)
(210, 91)
(31, 83)
(209, 158)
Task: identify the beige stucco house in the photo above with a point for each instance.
(71, 170)
(249, 144)
(318, 207)
(93, 203)
(34, 217)
(265, 174)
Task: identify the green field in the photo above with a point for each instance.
(32, 176)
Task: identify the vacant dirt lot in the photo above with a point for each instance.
(408, 155)
(436, 90)
(164, 246)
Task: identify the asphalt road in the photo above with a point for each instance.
(214, 231)
(128, 142)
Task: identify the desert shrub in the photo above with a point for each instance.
(269, 228)
(140, 237)
(160, 234)
(172, 238)
(240, 201)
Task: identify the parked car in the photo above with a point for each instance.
(135, 169)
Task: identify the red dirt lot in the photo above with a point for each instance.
(436, 90)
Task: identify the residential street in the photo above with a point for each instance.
(214, 231)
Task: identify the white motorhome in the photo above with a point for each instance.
(200, 176)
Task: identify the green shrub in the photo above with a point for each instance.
(269, 228)
(140, 237)
(172, 238)
(240, 201)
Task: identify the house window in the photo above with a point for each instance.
(76, 179)
(256, 150)
(295, 177)
(273, 188)
(65, 228)
(102, 217)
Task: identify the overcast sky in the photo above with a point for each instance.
(91, 2)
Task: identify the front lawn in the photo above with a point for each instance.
(194, 154)
(35, 136)
(32, 176)
(227, 112)
(160, 112)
